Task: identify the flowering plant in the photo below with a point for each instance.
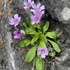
(39, 39)
(38, 36)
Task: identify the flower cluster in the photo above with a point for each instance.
(37, 12)
(15, 22)
(36, 9)
(37, 36)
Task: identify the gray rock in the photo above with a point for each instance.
(63, 62)
(59, 9)
(10, 53)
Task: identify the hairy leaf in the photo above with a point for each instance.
(25, 25)
(37, 26)
(43, 38)
(31, 54)
(24, 43)
(55, 46)
(46, 26)
(34, 61)
(35, 38)
(52, 35)
(39, 63)
(30, 31)
(42, 44)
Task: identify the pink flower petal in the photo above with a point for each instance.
(45, 48)
(11, 21)
(19, 19)
(16, 24)
(46, 53)
(43, 56)
(34, 6)
(38, 5)
(15, 16)
(15, 32)
(25, 3)
(32, 10)
(39, 52)
(42, 7)
(39, 48)
(25, 7)
(42, 12)
(16, 37)
(14, 21)
(42, 51)
(32, 16)
(32, 3)
(33, 22)
(37, 20)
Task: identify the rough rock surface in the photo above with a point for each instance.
(11, 56)
(59, 9)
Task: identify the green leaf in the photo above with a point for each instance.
(34, 61)
(39, 63)
(32, 27)
(24, 43)
(30, 31)
(55, 46)
(43, 38)
(37, 26)
(35, 38)
(25, 25)
(52, 54)
(28, 20)
(31, 54)
(42, 44)
(46, 26)
(52, 35)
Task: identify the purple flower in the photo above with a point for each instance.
(42, 51)
(14, 21)
(40, 13)
(37, 8)
(17, 34)
(28, 4)
(35, 19)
